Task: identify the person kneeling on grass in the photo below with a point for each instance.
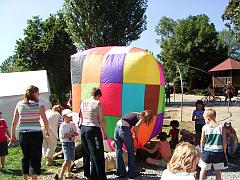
(164, 151)
(67, 132)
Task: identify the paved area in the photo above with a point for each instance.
(224, 112)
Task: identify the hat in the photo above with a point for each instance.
(227, 124)
(67, 112)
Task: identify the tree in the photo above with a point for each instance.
(232, 16)
(9, 65)
(94, 23)
(165, 28)
(190, 43)
(46, 45)
(229, 40)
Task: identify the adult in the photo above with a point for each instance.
(50, 142)
(211, 91)
(168, 94)
(28, 112)
(122, 134)
(228, 92)
(92, 119)
(232, 140)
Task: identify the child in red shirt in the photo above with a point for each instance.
(173, 133)
(3, 141)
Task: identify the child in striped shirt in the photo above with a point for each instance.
(213, 145)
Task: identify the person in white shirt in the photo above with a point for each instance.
(67, 133)
(182, 165)
(50, 142)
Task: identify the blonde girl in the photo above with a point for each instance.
(182, 165)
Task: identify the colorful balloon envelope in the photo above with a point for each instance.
(131, 80)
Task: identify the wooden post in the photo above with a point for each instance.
(213, 83)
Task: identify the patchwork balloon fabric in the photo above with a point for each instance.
(131, 80)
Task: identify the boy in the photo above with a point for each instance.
(67, 133)
(213, 146)
(3, 141)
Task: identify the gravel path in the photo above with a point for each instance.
(153, 173)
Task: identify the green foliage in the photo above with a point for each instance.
(190, 42)
(232, 16)
(46, 45)
(165, 28)
(10, 65)
(94, 23)
(229, 40)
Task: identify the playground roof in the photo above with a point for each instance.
(228, 64)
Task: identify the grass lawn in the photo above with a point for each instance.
(13, 165)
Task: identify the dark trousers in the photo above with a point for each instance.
(93, 151)
(31, 145)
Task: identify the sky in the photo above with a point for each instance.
(15, 13)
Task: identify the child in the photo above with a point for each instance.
(213, 146)
(197, 116)
(164, 151)
(67, 133)
(173, 133)
(3, 141)
(182, 165)
(187, 136)
(232, 140)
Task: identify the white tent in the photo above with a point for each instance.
(14, 85)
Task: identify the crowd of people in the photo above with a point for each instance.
(212, 145)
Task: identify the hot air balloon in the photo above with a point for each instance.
(131, 80)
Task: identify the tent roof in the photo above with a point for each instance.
(228, 64)
(16, 83)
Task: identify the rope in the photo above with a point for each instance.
(230, 115)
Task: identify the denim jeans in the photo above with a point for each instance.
(122, 135)
(68, 149)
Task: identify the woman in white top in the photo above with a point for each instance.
(50, 142)
(182, 165)
(91, 135)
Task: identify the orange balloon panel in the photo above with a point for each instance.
(76, 93)
(144, 132)
(92, 68)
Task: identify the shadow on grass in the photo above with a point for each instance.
(12, 172)
(18, 172)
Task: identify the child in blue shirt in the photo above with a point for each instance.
(197, 116)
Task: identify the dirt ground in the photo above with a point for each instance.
(224, 112)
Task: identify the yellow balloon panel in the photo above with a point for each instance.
(141, 68)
